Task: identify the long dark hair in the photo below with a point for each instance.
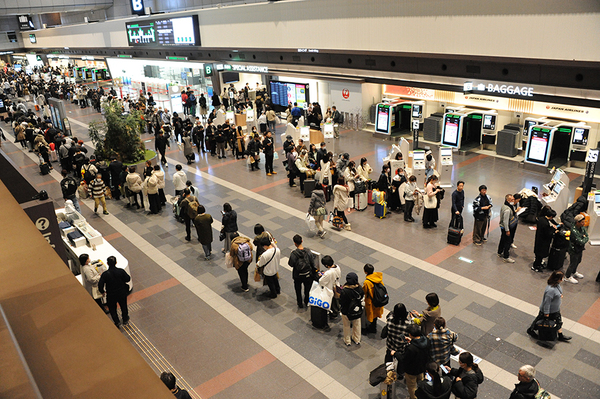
(432, 369)
(400, 313)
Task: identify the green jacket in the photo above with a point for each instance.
(579, 237)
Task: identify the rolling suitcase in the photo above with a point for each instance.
(360, 201)
(318, 317)
(53, 156)
(547, 330)
(556, 259)
(380, 210)
(455, 231)
(370, 197)
(309, 186)
(44, 169)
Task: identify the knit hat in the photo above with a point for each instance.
(579, 218)
(352, 278)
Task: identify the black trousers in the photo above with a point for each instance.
(305, 282)
(291, 177)
(302, 177)
(408, 208)
(112, 301)
(154, 202)
(162, 197)
(269, 163)
(504, 244)
(273, 283)
(243, 273)
(188, 225)
(342, 215)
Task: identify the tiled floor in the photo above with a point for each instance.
(228, 343)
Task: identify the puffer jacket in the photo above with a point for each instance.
(317, 200)
(568, 216)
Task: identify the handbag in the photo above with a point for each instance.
(222, 235)
(321, 211)
(228, 260)
(320, 296)
(384, 332)
(275, 155)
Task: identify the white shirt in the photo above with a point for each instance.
(271, 265)
(331, 277)
(179, 179)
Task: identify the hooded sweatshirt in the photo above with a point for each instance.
(415, 356)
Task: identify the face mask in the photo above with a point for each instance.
(511, 203)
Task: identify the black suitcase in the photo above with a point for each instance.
(309, 186)
(547, 330)
(44, 168)
(318, 317)
(556, 259)
(455, 230)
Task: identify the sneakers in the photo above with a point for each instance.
(106, 213)
(536, 269)
(484, 239)
(500, 255)
(268, 174)
(294, 185)
(563, 338)
(513, 246)
(478, 243)
(572, 280)
(508, 260)
(348, 227)
(322, 234)
(274, 173)
(578, 275)
(245, 289)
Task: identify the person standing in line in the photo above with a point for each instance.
(161, 144)
(372, 312)
(160, 175)
(528, 386)
(410, 192)
(341, 193)
(330, 278)
(230, 226)
(550, 307)
(458, 202)
(544, 233)
(431, 202)
(481, 213)
(241, 255)
(152, 189)
(268, 149)
(302, 262)
(427, 318)
(269, 262)
(414, 359)
(271, 120)
(317, 208)
(579, 237)
(441, 342)
(188, 149)
(434, 386)
(179, 179)
(350, 298)
(507, 219)
(169, 380)
(429, 164)
(467, 377)
(336, 118)
(183, 212)
(397, 327)
(113, 284)
(98, 191)
(68, 185)
(513, 228)
(221, 141)
(203, 223)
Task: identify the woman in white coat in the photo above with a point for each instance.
(91, 278)
(326, 173)
(161, 185)
(364, 170)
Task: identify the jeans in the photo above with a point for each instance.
(351, 330)
(269, 163)
(504, 244)
(73, 199)
(207, 250)
(227, 241)
(273, 283)
(298, 284)
(243, 273)
(272, 126)
(574, 261)
(111, 302)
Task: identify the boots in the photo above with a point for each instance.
(563, 338)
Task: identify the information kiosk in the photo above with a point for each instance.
(556, 193)
(452, 129)
(418, 169)
(594, 212)
(445, 166)
(539, 145)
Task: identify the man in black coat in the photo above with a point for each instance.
(414, 358)
(115, 168)
(528, 386)
(113, 284)
(161, 144)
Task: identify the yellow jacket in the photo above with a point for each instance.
(371, 311)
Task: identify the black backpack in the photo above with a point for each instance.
(355, 310)
(69, 187)
(380, 295)
(304, 264)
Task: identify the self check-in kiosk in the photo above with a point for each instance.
(579, 141)
(452, 129)
(556, 193)
(403, 148)
(445, 166)
(594, 212)
(539, 145)
(418, 169)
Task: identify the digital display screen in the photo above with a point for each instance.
(527, 125)
(383, 118)
(597, 198)
(182, 31)
(419, 155)
(451, 134)
(445, 151)
(580, 136)
(1, 104)
(538, 147)
(558, 175)
(32, 38)
(489, 122)
(558, 188)
(417, 110)
(12, 36)
(17, 67)
(284, 93)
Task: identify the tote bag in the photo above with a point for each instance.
(320, 296)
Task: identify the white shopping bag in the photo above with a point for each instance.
(310, 223)
(320, 296)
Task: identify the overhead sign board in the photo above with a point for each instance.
(182, 31)
(242, 68)
(512, 89)
(137, 7)
(25, 22)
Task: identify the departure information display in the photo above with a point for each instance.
(539, 145)
(284, 93)
(182, 31)
(452, 126)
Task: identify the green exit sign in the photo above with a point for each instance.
(123, 56)
(173, 58)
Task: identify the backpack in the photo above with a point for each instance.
(304, 264)
(193, 98)
(192, 210)
(380, 295)
(341, 118)
(86, 174)
(355, 310)
(244, 253)
(69, 187)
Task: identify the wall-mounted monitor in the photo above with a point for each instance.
(539, 145)
(489, 122)
(230, 77)
(382, 121)
(182, 31)
(452, 130)
(284, 93)
(32, 38)
(528, 124)
(580, 136)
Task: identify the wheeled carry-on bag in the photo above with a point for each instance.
(360, 201)
(44, 169)
(380, 209)
(454, 231)
(370, 197)
(318, 317)
(309, 186)
(556, 259)
(547, 330)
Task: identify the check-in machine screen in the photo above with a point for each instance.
(558, 175)
(526, 127)
(539, 146)
(452, 127)
(489, 122)
(445, 152)
(383, 118)
(419, 156)
(558, 188)
(417, 110)
(597, 198)
(580, 136)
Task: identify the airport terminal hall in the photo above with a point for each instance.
(300, 199)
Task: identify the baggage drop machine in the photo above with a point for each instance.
(445, 166)
(539, 145)
(579, 141)
(452, 129)
(397, 116)
(527, 124)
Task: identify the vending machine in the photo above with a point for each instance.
(452, 129)
(445, 166)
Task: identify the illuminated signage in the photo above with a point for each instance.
(173, 58)
(25, 22)
(208, 70)
(242, 68)
(137, 7)
(515, 90)
(308, 50)
(182, 31)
